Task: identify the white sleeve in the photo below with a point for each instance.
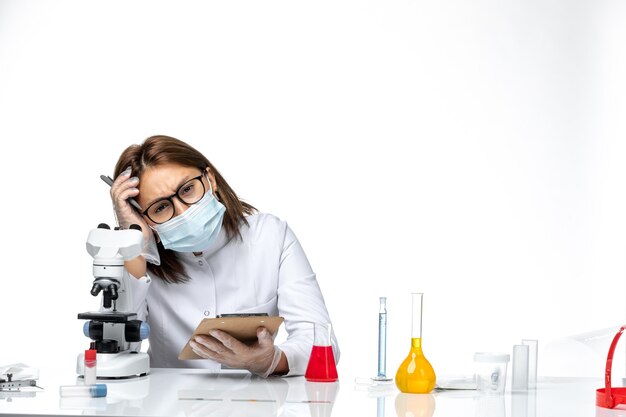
(301, 303)
(151, 251)
(139, 290)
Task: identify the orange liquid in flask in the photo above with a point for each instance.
(416, 375)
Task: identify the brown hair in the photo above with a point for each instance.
(160, 150)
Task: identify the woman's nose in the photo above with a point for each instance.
(179, 206)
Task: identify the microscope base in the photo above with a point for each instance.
(125, 364)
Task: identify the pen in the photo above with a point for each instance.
(253, 400)
(309, 402)
(109, 181)
(202, 399)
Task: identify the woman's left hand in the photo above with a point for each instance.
(261, 358)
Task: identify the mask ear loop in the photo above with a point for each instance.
(206, 175)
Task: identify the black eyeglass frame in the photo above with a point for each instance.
(169, 198)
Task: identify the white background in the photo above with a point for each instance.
(473, 151)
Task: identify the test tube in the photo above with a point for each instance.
(382, 339)
(532, 362)
(520, 368)
(96, 390)
(90, 367)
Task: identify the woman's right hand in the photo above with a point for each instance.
(123, 188)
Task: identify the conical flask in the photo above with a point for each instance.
(416, 375)
(321, 367)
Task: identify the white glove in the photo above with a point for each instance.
(261, 358)
(122, 189)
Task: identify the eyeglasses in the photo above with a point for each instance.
(189, 193)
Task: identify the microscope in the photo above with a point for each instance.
(114, 327)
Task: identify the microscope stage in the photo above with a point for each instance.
(117, 317)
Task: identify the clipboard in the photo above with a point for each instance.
(241, 328)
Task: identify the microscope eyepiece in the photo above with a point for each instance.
(103, 226)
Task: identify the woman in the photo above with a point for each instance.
(209, 253)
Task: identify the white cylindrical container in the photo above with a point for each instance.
(96, 390)
(532, 361)
(519, 381)
(490, 372)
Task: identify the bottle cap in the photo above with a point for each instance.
(90, 355)
(98, 390)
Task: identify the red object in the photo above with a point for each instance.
(321, 367)
(609, 397)
(90, 355)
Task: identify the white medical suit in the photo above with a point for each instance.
(264, 272)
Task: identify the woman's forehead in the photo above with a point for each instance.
(163, 180)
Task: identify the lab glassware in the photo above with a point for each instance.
(90, 366)
(490, 373)
(382, 341)
(95, 390)
(416, 375)
(321, 366)
(519, 380)
(532, 361)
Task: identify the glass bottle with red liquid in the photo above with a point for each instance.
(321, 367)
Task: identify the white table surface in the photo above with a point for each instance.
(239, 394)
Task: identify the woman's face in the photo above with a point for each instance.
(162, 181)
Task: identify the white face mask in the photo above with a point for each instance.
(196, 228)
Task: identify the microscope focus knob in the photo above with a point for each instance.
(136, 331)
(93, 330)
(107, 346)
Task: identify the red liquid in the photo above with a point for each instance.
(321, 366)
